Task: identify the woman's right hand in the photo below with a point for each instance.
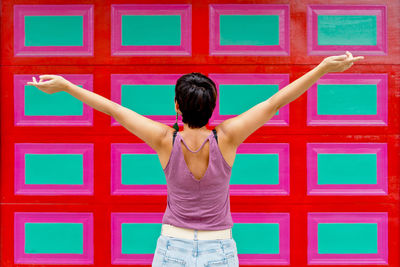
(339, 63)
(53, 83)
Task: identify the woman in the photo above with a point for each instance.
(197, 222)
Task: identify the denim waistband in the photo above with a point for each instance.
(193, 234)
(187, 245)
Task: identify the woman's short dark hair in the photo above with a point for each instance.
(196, 95)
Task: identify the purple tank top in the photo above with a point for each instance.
(198, 204)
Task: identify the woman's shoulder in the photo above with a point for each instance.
(168, 137)
(228, 150)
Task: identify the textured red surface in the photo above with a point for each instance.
(298, 204)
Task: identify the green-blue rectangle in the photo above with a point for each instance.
(39, 103)
(255, 169)
(149, 99)
(151, 30)
(53, 238)
(53, 30)
(347, 30)
(347, 99)
(139, 238)
(347, 238)
(141, 169)
(256, 238)
(347, 168)
(235, 99)
(249, 30)
(54, 169)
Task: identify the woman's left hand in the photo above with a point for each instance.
(53, 83)
(339, 63)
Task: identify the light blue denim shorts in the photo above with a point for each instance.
(178, 252)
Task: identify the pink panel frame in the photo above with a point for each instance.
(283, 49)
(20, 119)
(380, 149)
(282, 258)
(53, 189)
(378, 79)
(380, 218)
(117, 80)
(117, 188)
(20, 218)
(86, 11)
(184, 10)
(283, 188)
(379, 11)
(251, 78)
(117, 218)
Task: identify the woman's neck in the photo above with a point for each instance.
(194, 131)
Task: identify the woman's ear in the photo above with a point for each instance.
(177, 107)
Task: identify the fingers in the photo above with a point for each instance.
(341, 57)
(349, 59)
(353, 59)
(41, 81)
(33, 81)
(347, 56)
(45, 77)
(357, 58)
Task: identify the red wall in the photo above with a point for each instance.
(101, 134)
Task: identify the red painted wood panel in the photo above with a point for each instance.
(297, 134)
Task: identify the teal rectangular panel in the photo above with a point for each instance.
(141, 169)
(151, 30)
(256, 238)
(237, 98)
(347, 99)
(149, 99)
(139, 238)
(347, 238)
(54, 238)
(53, 169)
(347, 30)
(255, 169)
(53, 30)
(249, 29)
(343, 168)
(39, 103)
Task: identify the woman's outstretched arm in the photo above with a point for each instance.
(238, 128)
(150, 131)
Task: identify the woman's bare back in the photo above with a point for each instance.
(197, 162)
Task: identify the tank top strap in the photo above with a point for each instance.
(173, 139)
(204, 142)
(215, 135)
